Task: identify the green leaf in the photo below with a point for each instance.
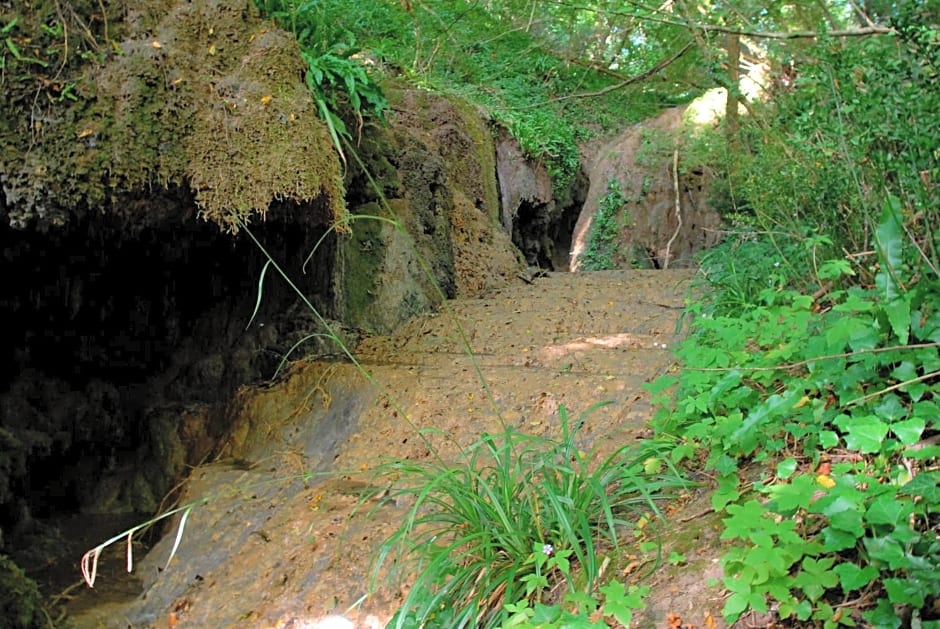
(853, 577)
(620, 603)
(924, 485)
(750, 433)
(726, 492)
(737, 604)
(786, 467)
(835, 540)
(887, 510)
(889, 237)
(906, 592)
(828, 439)
(908, 432)
(898, 312)
(865, 434)
(797, 494)
(834, 269)
(883, 616)
(545, 614)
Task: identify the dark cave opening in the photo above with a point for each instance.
(114, 331)
(562, 235)
(543, 230)
(530, 233)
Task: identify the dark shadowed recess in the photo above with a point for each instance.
(115, 330)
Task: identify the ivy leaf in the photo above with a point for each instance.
(905, 592)
(545, 614)
(887, 510)
(786, 468)
(898, 312)
(909, 431)
(849, 521)
(797, 494)
(853, 577)
(866, 434)
(884, 615)
(924, 485)
(835, 540)
(891, 408)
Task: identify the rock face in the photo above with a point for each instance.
(532, 210)
(664, 218)
(176, 223)
(140, 225)
(424, 226)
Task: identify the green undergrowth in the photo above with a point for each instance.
(518, 75)
(605, 232)
(815, 410)
(516, 533)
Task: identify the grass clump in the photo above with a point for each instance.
(519, 523)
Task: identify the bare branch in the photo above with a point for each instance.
(852, 32)
(628, 81)
(655, 16)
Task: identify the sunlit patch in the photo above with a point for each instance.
(612, 341)
(334, 622)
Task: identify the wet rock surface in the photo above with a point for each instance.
(293, 514)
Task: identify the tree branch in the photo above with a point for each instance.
(628, 81)
(852, 32)
(871, 29)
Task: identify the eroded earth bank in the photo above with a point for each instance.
(147, 332)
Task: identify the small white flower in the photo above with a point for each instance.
(547, 550)
(776, 264)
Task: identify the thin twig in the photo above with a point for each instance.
(803, 363)
(675, 186)
(610, 88)
(893, 387)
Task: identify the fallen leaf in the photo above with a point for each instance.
(156, 44)
(266, 99)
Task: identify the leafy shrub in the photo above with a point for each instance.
(333, 68)
(522, 518)
(589, 612)
(604, 234)
(20, 600)
(861, 123)
(827, 398)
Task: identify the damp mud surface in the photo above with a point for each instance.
(289, 516)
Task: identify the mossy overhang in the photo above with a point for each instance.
(117, 101)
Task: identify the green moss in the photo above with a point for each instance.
(363, 252)
(20, 600)
(185, 93)
(482, 137)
